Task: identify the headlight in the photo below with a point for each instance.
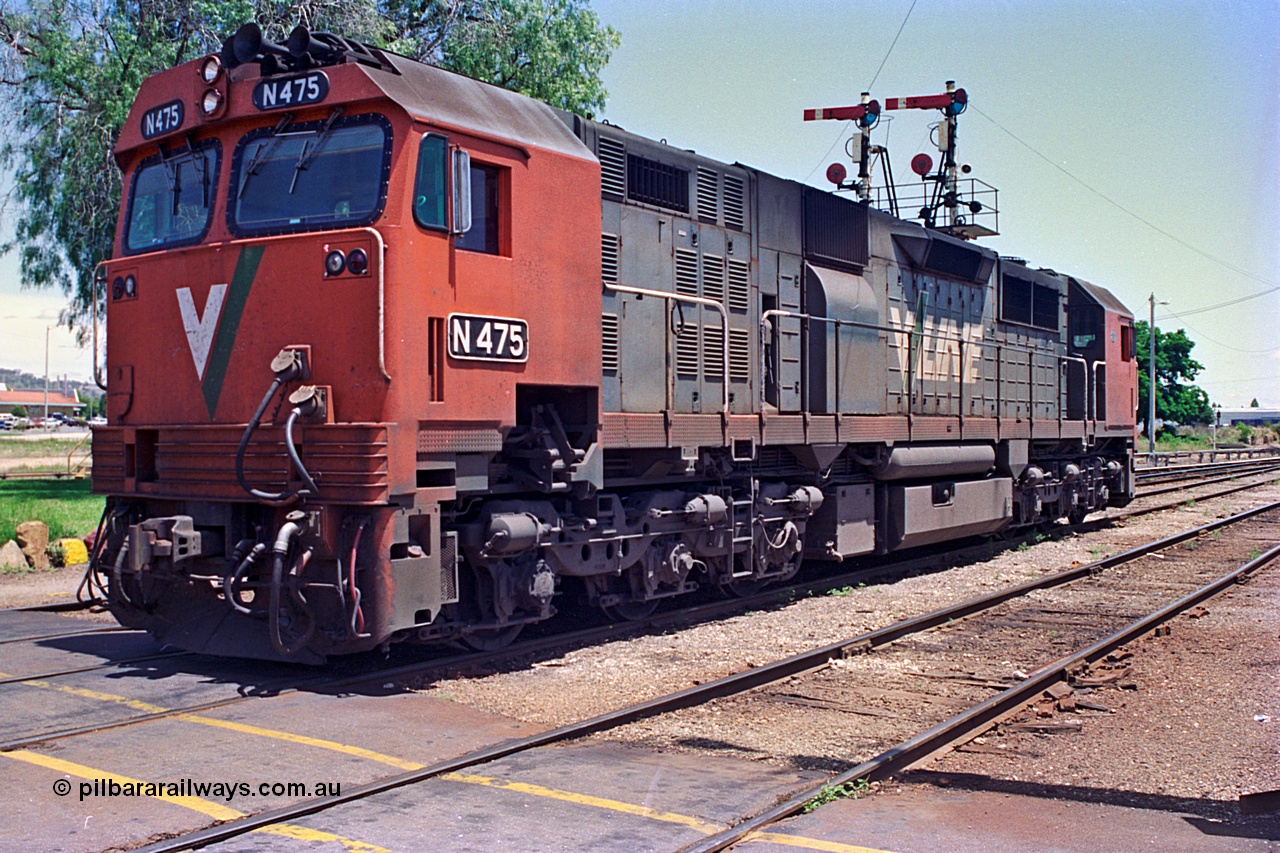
(210, 101)
(210, 68)
(334, 262)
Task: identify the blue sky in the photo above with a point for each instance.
(1169, 108)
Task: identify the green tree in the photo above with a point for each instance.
(1176, 399)
(70, 69)
(552, 50)
(18, 411)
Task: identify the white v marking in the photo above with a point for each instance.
(200, 329)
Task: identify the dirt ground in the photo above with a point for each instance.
(27, 589)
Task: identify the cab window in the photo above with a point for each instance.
(312, 176)
(171, 197)
(483, 234)
(430, 187)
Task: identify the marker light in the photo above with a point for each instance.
(210, 101)
(334, 262)
(210, 68)
(357, 262)
(117, 288)
(130, 286)
(871, 116)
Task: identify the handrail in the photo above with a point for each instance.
(382, 300)
(93, 298)
(695, 300)
(1090, 380)
(87, 436)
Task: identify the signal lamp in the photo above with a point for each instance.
(921, 164)
(334, 263)
(871, 115)
(117, 288)
(210, 101)
(357, 262)
(836, 174)
(210, 68)
(975, 207)
(959, 100)
(130, 286)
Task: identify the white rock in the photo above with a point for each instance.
(11, 556)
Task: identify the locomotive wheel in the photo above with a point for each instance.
(630, 611)
(492, 639)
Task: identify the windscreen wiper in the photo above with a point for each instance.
(309, 151)
(252, 168)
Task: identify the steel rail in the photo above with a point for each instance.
(1178, 487)
(44, 676)
(726, 686)
(1185, 470)
(112, 629)
(973, 721)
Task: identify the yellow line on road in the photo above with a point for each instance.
(208, 808)
(585, 800)
(463, 778)
(810, 843)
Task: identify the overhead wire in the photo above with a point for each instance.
(845, 125)
(1272, 287)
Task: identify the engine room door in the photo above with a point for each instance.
(787, 339)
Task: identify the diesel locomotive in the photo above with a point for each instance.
(396, 355)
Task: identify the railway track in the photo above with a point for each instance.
(1196, 483)
(1199, 470)
(1097, 637)
(367, 670)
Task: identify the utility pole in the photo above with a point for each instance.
(1151, 405)
(46, 377)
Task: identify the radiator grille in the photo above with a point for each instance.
(609, 342)
(708, 184)
(687, 351)
(713, 351)
(739, 285)
(739, 355)
(713, 277)
(733, 215)
(449, 568)
(613, 166)
(657, 183)
(687, 272)
(609, 257)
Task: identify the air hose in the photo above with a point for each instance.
(289, 532)
(288, 366)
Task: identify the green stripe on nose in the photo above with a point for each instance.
(232, 310)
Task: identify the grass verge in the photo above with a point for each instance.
(65, 505)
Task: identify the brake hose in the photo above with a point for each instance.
(279, 554)
(292, 370)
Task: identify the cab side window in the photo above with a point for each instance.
(430, 188)
(483, 234)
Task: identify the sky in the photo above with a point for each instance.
(1132, 142)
